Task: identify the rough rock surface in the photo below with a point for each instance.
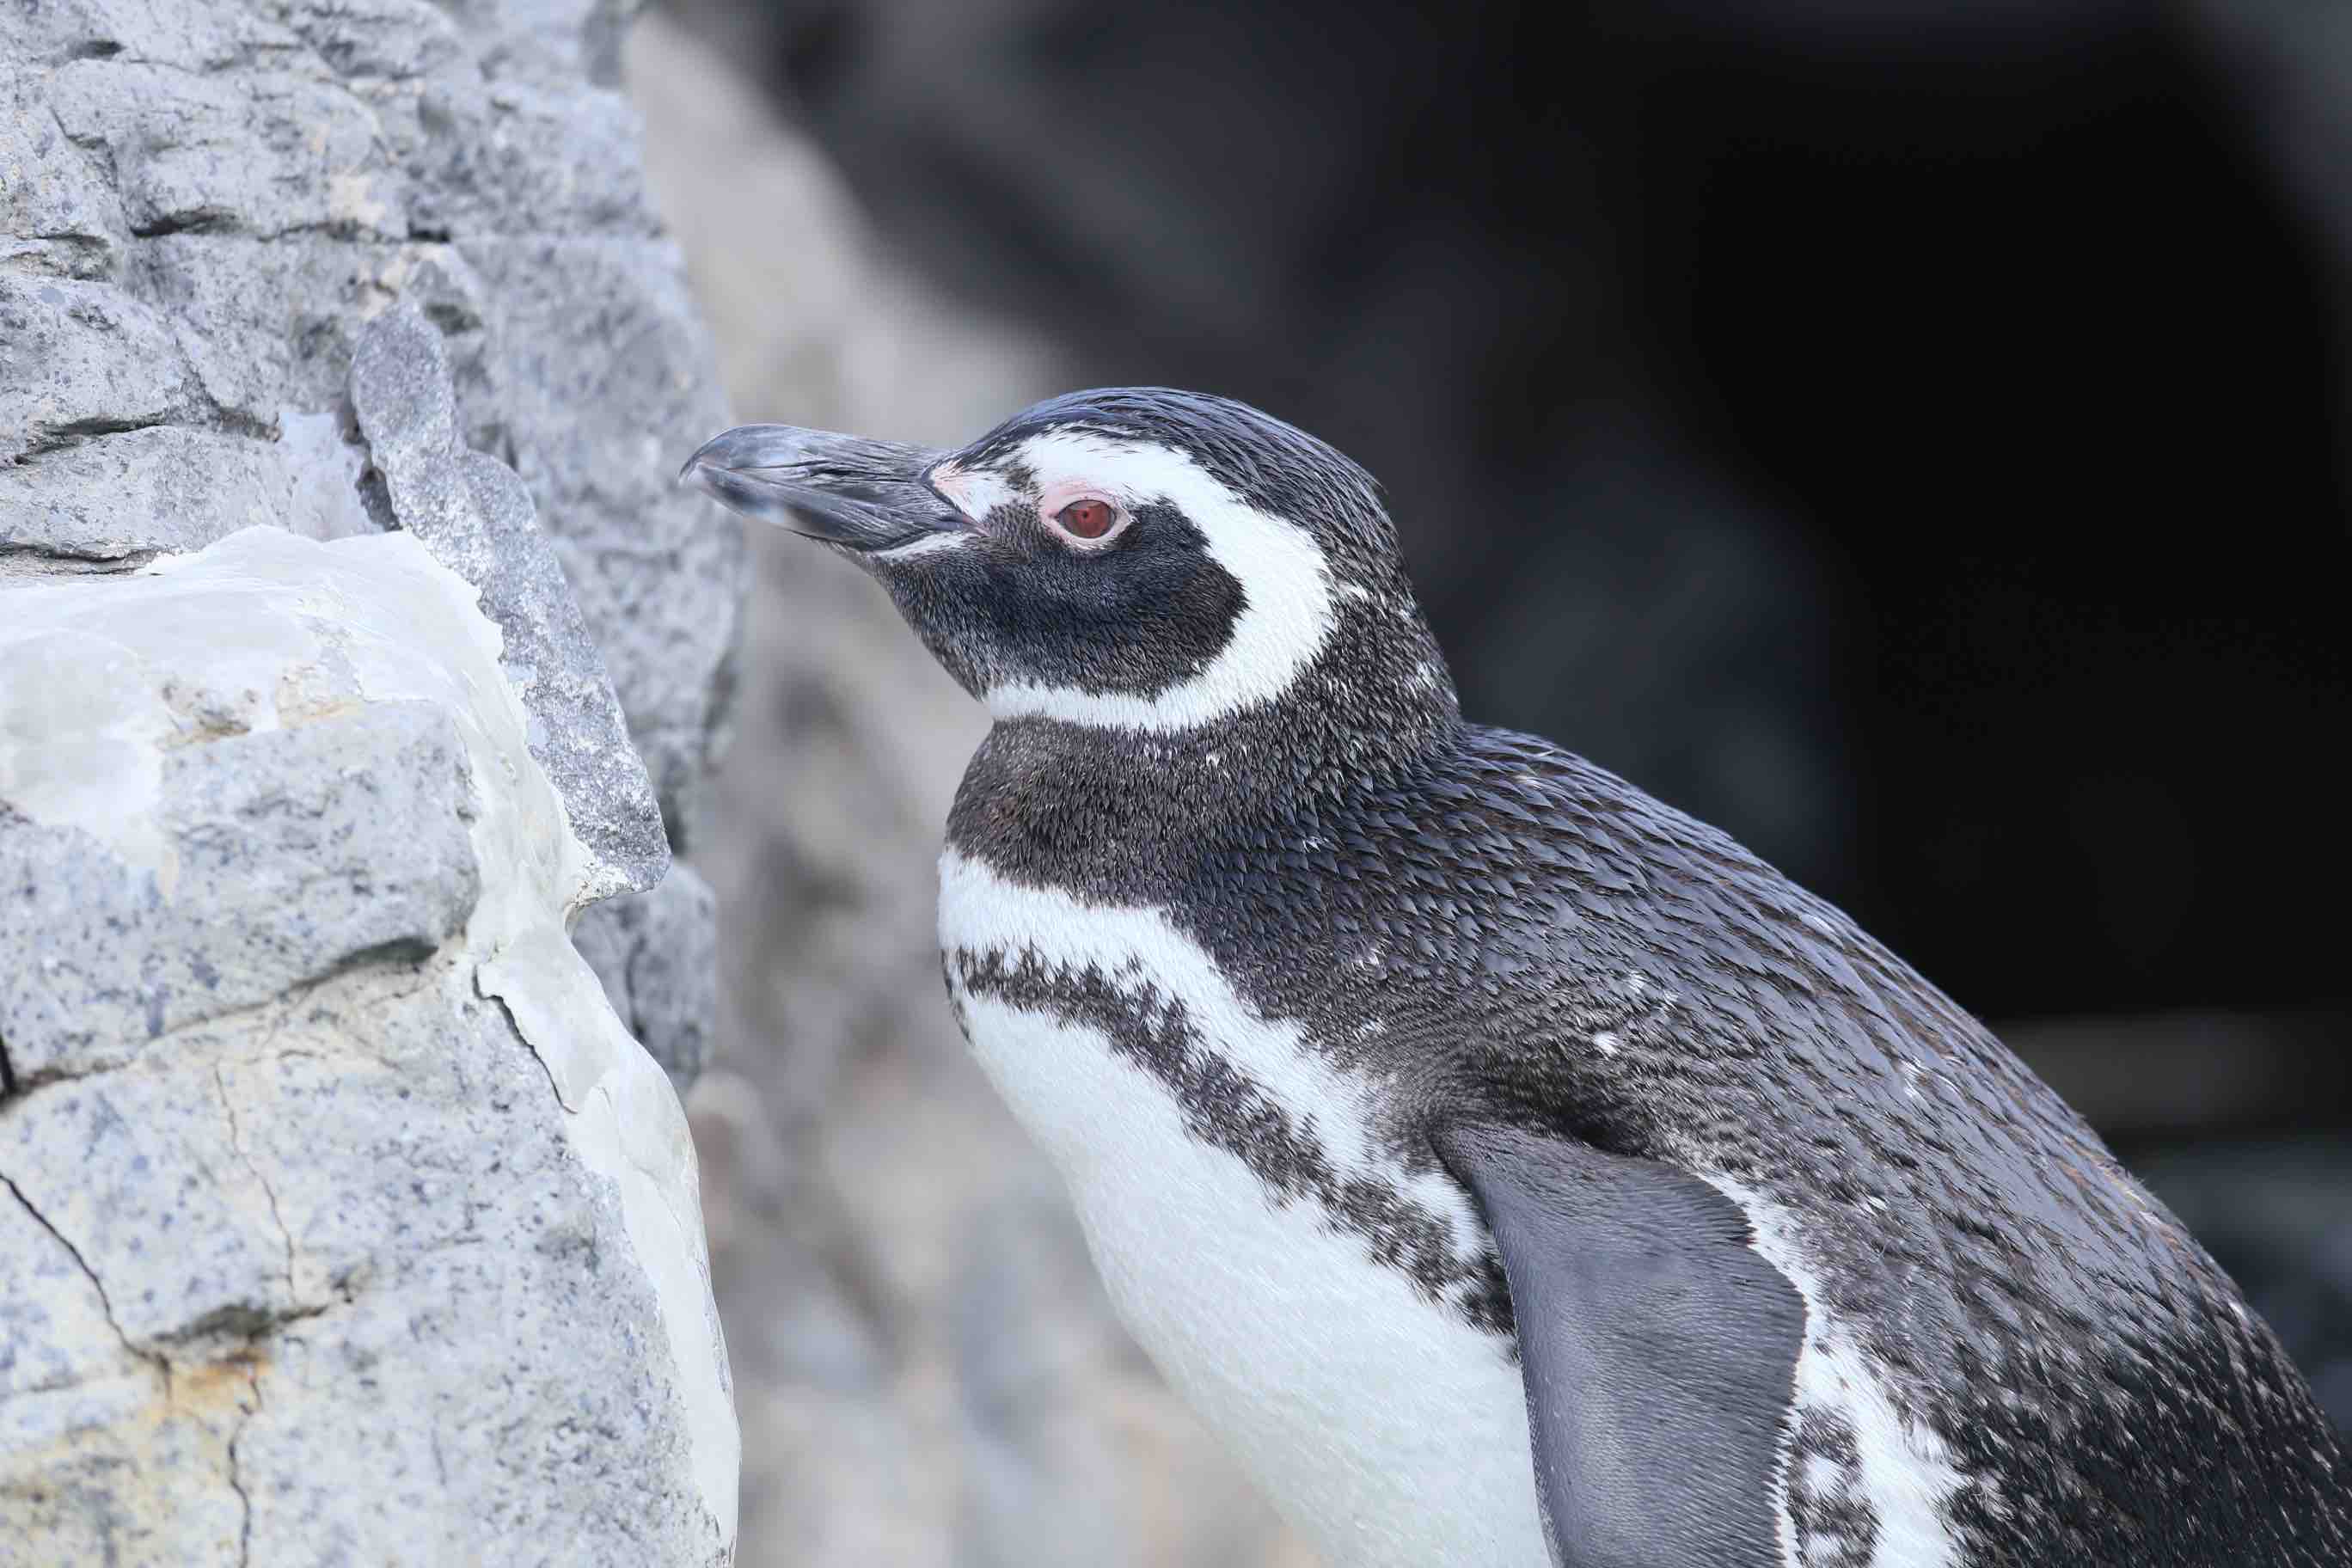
(475, 515)
(204, 205)
(341, 1214)
(274, 857)
(340, 1210)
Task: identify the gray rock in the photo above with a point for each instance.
(511, 158)
(332, 1273)
(547, 41)
(386, 42)
(78, 358)
(193, 38)
(340, 1206)
(118, 497)
(326, 471)
(286, 854)
(233, 193)
(60, 1352)
(263, 152)
(55, 213)
(658, 956)
(270, 325)
(341, 1213)
(589, 348)
(476, 517)
(209, 1261)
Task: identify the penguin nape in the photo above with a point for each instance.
(1512, 1169)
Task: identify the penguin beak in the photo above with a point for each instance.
(865, 496)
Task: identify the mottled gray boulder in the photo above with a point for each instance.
(119, 498)
(204, 206)
(476, 516)
(270, 859)
(80, 358)
(345, 601)
(341, 1212)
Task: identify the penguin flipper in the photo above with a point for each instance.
(1659, 1350)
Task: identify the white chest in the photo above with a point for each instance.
(1390, 1431)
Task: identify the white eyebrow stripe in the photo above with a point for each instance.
(1287, 613)
(976, 492)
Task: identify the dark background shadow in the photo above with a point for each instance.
(1914, 442)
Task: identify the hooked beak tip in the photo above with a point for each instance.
(866, 496)
(736, 491)
(707, 462)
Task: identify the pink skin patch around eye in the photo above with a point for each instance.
(1063, 492)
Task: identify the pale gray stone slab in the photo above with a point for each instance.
(266, 151)
(312, 1253)
(79, 357)
(55, 213)
(477, 518)
(295, 852)
(592, 341)
(324, 1234)
(134, 492)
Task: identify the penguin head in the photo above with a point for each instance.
(1138, 559)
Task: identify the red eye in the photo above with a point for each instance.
(1087, 518)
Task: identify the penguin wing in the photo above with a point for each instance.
(1658, 1348)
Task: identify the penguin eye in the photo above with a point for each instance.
(1088, 519)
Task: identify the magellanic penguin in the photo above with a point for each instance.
(1510, 1168)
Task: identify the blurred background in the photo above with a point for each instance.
(1912, 437)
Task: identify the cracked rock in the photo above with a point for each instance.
(165, 488)
(80, 357)
(340, 1212)
(324, 1155)
(476, 517)
(260, 151)
(55, 213)
(202, 210)
(657, 581)
(277, 857)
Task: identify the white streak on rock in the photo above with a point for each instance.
(272, 612)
